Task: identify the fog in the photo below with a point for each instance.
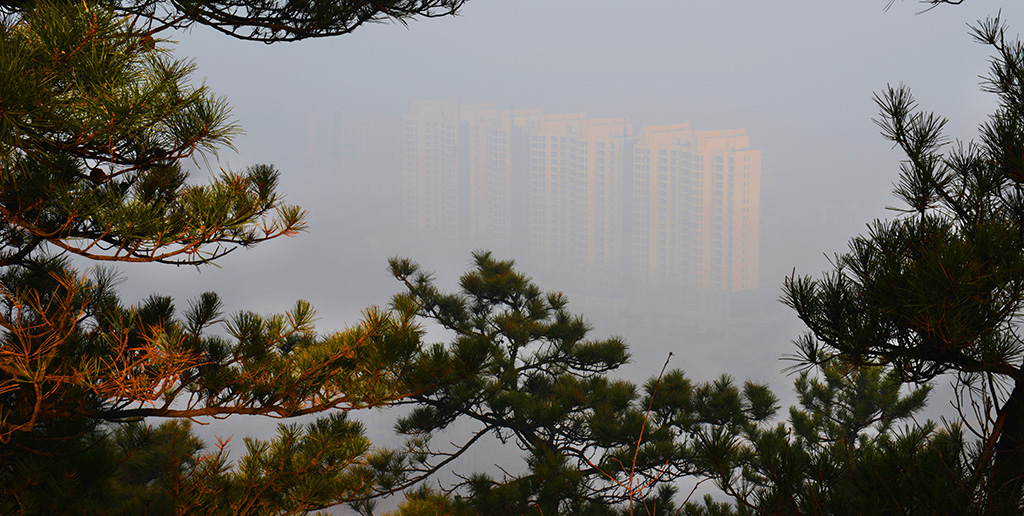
(798, 77)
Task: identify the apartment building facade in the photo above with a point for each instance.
(696, 200)
(667, 204)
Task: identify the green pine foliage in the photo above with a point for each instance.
(520, 369)
(97, 123)
(270, 21)
(851, 446)
(97, 117)
(940, 289)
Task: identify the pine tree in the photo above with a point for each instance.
(851, 447)
(268, 21)
(519, 368)
(97, 119)
(940, 289)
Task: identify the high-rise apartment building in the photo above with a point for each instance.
(497, 160)
(671, 204)
(467, 169)
(579, 168)
(696, 198)
(434, 191)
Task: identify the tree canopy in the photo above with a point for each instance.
(268, 21)
(99, 128)
(940, 289)
(519, 369)
(93, 167)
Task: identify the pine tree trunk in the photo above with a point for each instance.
(1008, 467)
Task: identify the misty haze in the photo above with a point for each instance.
(795, 80)
(665, 166)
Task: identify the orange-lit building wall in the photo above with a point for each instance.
(461, 168)
(552, 183)
(671, 204)
(695, 207)
(579, 167)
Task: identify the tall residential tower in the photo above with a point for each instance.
(670, 204)
(696, 198)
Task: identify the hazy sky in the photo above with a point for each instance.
(799, 76)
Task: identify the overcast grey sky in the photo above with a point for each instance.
(798, 75)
